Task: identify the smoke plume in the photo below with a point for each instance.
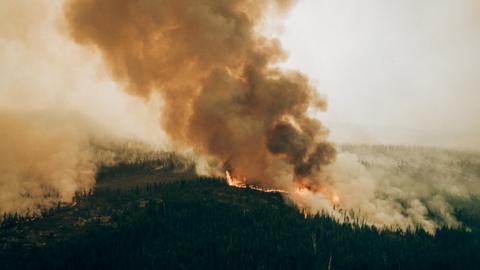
(201, 69)
(223, 95)
(41, 163)
(53, 100)
(402, 186)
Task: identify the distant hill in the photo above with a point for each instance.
(377, 134)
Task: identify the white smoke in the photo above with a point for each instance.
(55, 97)
(401, 187)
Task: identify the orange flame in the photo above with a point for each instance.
(332, 196)
(302, 191)
(335, 199)
(235, 182)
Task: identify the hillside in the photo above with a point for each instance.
(189, 222)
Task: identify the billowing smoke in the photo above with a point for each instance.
(53, 101)
(399, 186)
(42, 162)
(200, 68)
(223, 95)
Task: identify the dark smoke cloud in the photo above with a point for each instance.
(223, 94)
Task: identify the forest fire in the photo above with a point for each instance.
(300, 191)
(235, 182)
(230, 76)
(335, 199)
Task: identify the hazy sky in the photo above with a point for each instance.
(404, 71)
(45, 72)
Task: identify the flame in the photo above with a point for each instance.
(236, 182)
(233, 181)
(305, 192)
(300, 191)
(335, 199)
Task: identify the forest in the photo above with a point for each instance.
(202, 223)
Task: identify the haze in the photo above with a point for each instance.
(404, 72)
(399, 72)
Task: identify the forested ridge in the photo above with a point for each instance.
(149, 210)
(205, 224)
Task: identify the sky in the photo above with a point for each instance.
(393, 71)
(43, 72)
(402, 72)
(397, 72)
